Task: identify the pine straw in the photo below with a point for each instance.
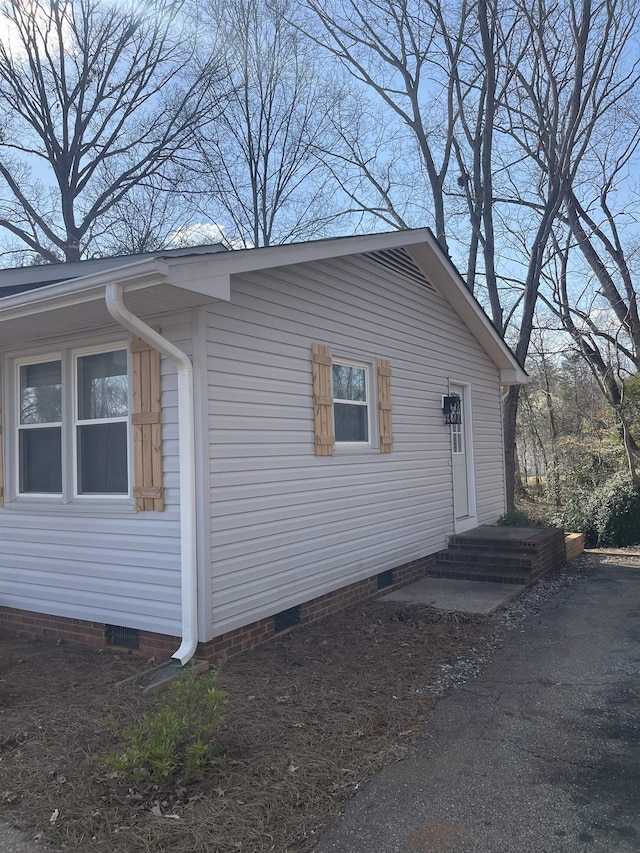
(311, 716)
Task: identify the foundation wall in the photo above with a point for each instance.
(24, 623)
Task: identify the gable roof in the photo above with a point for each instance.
(172, 280)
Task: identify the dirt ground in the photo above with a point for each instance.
(311, 716)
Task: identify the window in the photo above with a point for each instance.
(102, 414)
(40, 428)
(457, 438)
(349, 385)
(74, 406)
(346, 413)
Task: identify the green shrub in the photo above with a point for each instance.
(179, 736)
(515, 518)
(589, 462)
(617, 512)
(576, 514)
(607, 515)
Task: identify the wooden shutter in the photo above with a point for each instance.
(1, 468)
(147, 427)
(384, 406)
(322, 400)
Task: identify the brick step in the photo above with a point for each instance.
(476, 574)
(505, 559)
(489, 544)
(492, 537)
(492, 574)
(501, 554)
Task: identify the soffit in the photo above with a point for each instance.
(92, 315)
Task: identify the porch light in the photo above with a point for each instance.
(452, 409)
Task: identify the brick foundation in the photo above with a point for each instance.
(26, 623)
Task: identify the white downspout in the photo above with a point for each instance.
(186, 434)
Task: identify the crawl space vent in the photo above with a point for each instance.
(385, 579)
(286, 619)
(125, 638)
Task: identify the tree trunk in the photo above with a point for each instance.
(554, 473)
(509, 412)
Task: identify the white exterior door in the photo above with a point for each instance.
(462, 463)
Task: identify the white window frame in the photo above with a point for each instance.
(68, 356)
(19, 428)
(76, 422)
(369, 369)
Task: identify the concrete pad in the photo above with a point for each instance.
(462, 596)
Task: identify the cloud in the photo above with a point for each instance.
(204, 233)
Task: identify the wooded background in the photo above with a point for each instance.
(511, 128)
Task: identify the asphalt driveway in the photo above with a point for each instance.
(540, 753)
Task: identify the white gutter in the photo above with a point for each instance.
(75, 291)
(186, 433)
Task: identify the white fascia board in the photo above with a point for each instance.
(509, 376)
(200, 274)
(135, 276)
(251, 260)
(213, 287)
(441, 272)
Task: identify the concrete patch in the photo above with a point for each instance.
(462, 596)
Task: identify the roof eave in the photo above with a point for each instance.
(269, 257)
(137, 275)
(441, 272)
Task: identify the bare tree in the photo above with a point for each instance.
(393, 46)
(96, 98)
(567, 102)
(260, 163)
(446, 75)
(145, 220)
(603, 342)
(503, 103)
(372, 166)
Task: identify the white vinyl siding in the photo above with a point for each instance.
(102, 564)
(287, 525)
(282, 525)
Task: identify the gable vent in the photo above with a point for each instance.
(400, 262)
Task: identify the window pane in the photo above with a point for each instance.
(40, 461)
(41, 393)
(349, 383)
(350, 422)
(102, 459)
(103, 388)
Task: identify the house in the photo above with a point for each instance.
(205, 446)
